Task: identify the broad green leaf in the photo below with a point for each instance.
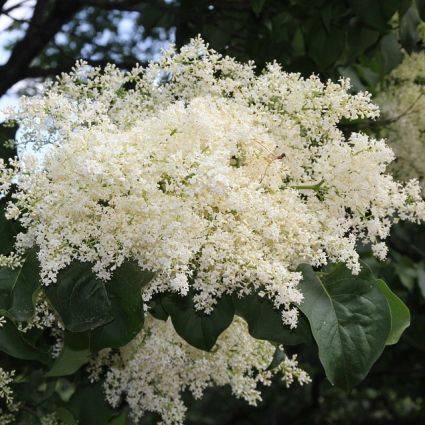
(265, 321)
(75, 353)
(65, 416)
(157, 310)
(408, 33)
(278, 357)
(400, 315)
(125, 294)
(80, 298)
(350, 320)
(119, 420)
(359, 38)
(197, 328)
(350, 72)
(12, 342)
(406, 270)
(88, 404)
(324, 46)
(420, 4)
(18, 286)
(369, 75)
(257, 6)
(391, 52)
(298, 43)
(376, 13)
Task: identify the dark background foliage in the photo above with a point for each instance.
(362, 39)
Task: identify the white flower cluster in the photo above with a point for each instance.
(205, 173)
(152, 372)
(8, 405)
(43, 318)
(402, 101)
(50, 419)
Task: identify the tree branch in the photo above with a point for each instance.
(11, 8)
(48, 18)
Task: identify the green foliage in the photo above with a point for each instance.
(375, 14)
(257, 6)
(329, 37)
(265, 322)
(7, 133)
(392, 393)
(202, 330)
(75, 353)
(79, 298)
(420, 4)
(8, 230)
(18, 288)
(408, 25)
(124, 291)
(400, 315)
(278, 357)
(197, 328)
(358, 38)
(350, 321)
(14, 343)
(89, 406)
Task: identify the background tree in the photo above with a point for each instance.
(356, 38)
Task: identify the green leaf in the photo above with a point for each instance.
(257, 6)
(7, 133)
(80, 298)
(376, 13)
(65, 416)
(125, 293)
(391, 52)
(197, 328)
(420, 4)
(65, 388)
(12, 342)
(8, 230)
(157, 310)
(408, 34)
(350, 321)
(88, 404)
(265, 321)
(350, 72)
(119, 420)
(75, 353)
(278, 357)
(324, 46)
(18, 287)
(400, 315)
(359, 39)
(406, 270)
(421, 280)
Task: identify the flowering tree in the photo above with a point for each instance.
(182, 226)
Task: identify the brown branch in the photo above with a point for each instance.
(2, 3)
(11, 8)
(48, 18)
